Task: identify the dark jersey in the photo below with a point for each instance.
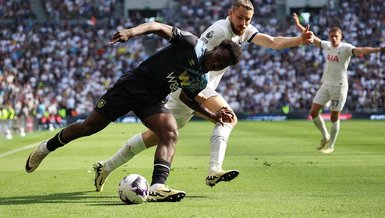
(175, 66)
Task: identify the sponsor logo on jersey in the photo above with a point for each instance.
(332, 58)
(101, 103)
(173, 82)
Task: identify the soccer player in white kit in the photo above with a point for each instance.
(334, 87)
(236, 27)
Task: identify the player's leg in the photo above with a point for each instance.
(92, 124)
(140, 142)
(110, 106)
(218, 141)
(339, 95)
(131, 148)
(321, 98)
(165, 127)
(334, 130)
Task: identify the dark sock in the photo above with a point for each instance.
(161, 171)
(56, 142)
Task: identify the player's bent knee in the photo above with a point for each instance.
(170, 137)
(231, 120)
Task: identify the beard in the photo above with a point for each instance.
(238, 30)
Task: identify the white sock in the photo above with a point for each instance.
(134, 146)
(320, 124)
(334, 133)
(218, 143)
(43, 148)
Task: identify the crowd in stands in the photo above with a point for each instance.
(70, 9)
(54, 70)
(17, 9)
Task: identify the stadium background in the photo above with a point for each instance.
(55, 64)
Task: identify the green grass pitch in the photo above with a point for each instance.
(281, 174)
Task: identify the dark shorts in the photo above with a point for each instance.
(129, 94)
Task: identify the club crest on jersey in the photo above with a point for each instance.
(101, 103)
(332, 58)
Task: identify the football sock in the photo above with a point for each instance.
(334, 130)
(56, 142)
(320, 124)
(133, 146)
(218, 143)
(161, 171)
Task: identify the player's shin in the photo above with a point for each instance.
(134, 146)
(335, 128)
(320, 124)
(218, 143)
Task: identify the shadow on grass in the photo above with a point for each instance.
(70, 197)
(83, 197)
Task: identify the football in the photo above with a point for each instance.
(133, 189)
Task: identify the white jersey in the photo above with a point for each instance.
(215, 34)
(337, 62)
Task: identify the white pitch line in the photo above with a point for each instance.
(18, 149)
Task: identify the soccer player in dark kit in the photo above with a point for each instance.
(183, 64)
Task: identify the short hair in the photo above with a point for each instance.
(335, 29)
(243, 3)
(234, 50)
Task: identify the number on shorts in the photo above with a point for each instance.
(334, 103)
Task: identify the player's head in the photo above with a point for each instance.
(335, 36)
(240, 15)
(225, 54)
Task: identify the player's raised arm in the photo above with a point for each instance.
(316, 41)
(281, 42)
(367, 50)
(163, 30)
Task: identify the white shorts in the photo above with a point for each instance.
(181, 112)
(336, 94)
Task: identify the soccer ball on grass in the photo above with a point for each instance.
(133, 189)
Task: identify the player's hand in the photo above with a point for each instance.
(307, 36)
(296, 21)
(121, 36)
(224, 115)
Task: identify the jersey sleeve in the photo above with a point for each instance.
(323, 44)
(348, 49)
(251, 32)
(183, 38)
(213, 36)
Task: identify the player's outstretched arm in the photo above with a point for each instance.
(163, 30)
(317, 41)
(281, 42)
(221, 116)
(367, 50)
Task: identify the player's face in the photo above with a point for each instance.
(240, 18)
(216, 59)
(335, 38)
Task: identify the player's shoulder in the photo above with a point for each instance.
(217, 32)
(347, 45)
(221, 26)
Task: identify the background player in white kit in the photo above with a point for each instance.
(237, 28)
(334, 87)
